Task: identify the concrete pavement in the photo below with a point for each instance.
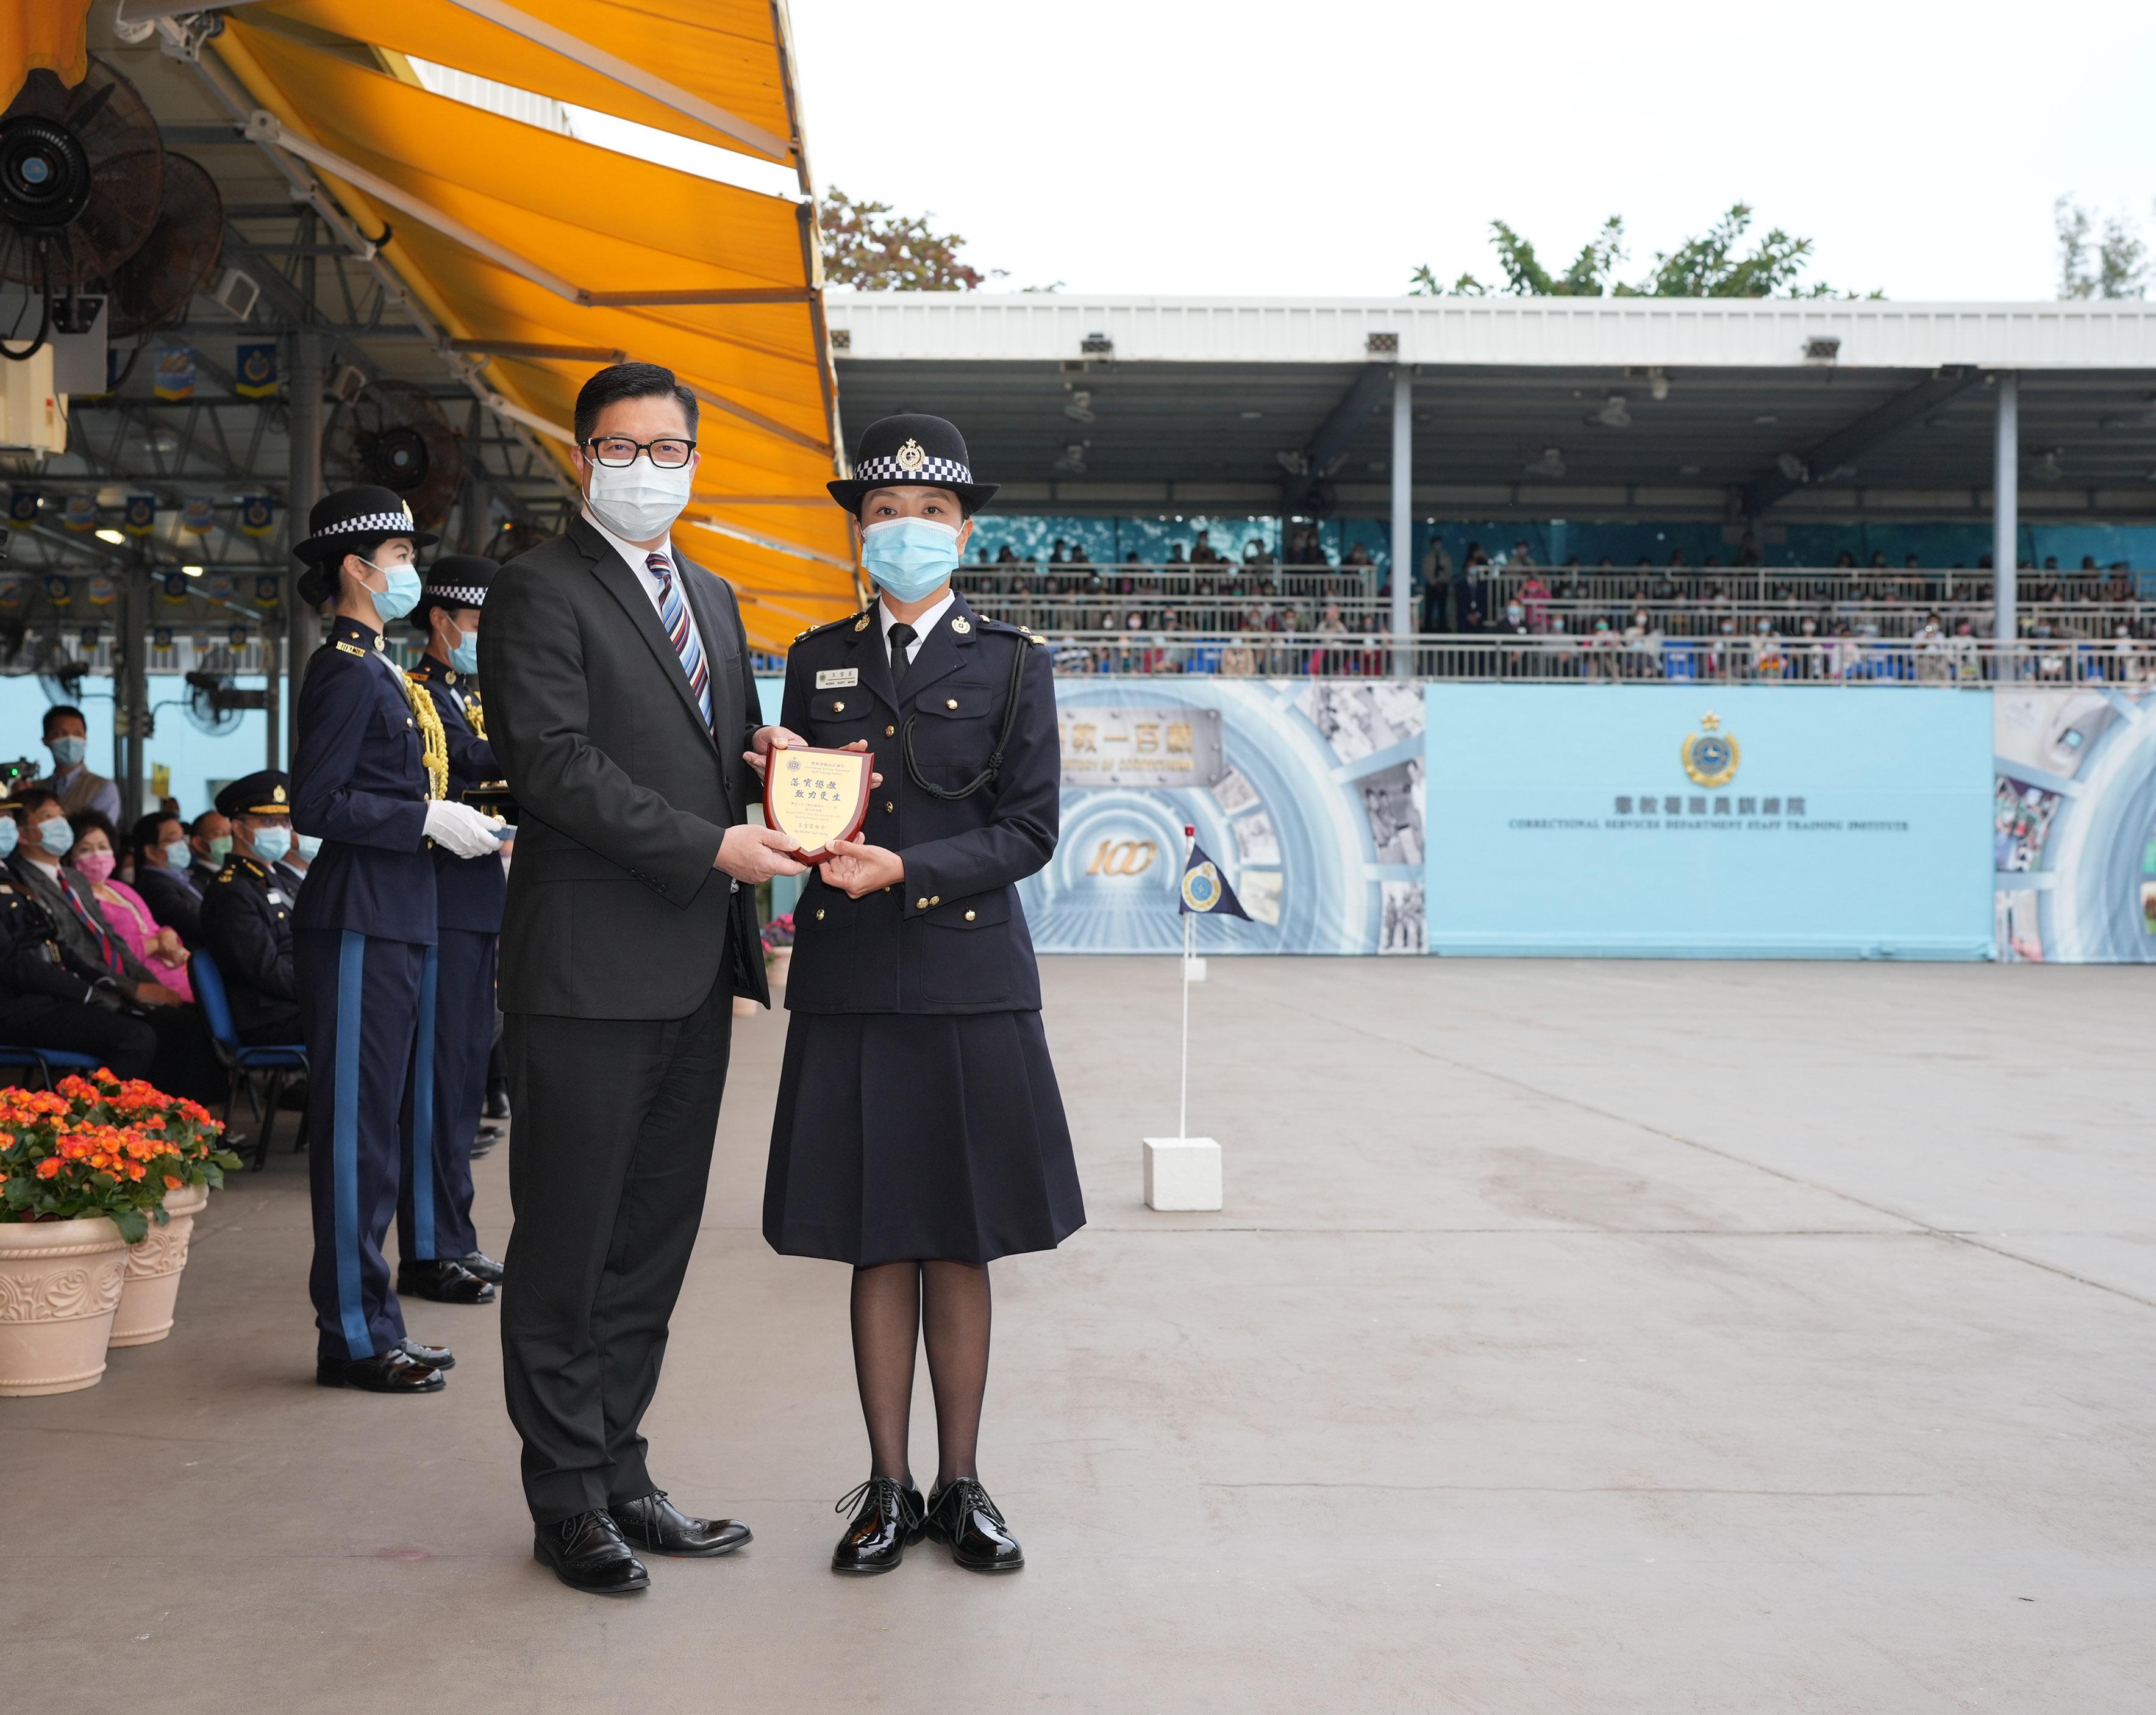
(1577, 1337)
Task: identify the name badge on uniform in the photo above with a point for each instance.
(838, 678)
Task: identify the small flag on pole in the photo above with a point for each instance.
(1204, 892)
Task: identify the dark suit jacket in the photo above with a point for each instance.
(614, 911)
(172, 898)
(952, 938)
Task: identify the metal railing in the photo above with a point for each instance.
(1608, 659)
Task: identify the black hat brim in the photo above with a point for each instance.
(335, 544)
(851, 492)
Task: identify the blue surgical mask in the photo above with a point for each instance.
(272, 841)
(464, 657)
(910, 558)
(9, 834)
(179, 854)
(402, 594)
(68, 750)
(308, 845)
(55, 835)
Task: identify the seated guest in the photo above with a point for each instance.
(67, 736)
(48, 999)
(209, 844)
(246, 919)
(162, 854)
(184, 1064)
(93, 859)
(292, 869)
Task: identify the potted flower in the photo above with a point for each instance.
(83, 1173)
(195, 1166)
(778, 948)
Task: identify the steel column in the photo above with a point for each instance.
(2005, 507)
(303, 487)
(1402, 519)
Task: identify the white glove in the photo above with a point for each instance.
(462, 829)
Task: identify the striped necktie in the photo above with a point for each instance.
(674, 615)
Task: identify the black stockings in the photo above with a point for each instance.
(894, 1304)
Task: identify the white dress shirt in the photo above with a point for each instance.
(921, 626)
(633, 556)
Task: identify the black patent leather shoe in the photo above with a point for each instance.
(497, 1105)
(963, 1516)
(483, 1145)
(444, 1281)
(587, 1553)
(656, 1523)
(888, 1520)
(433, 1356)
(480, 1264)
(390, 1372)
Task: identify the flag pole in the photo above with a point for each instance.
(1183, 1104)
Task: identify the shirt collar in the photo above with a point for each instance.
(923, 626)
(632, 554)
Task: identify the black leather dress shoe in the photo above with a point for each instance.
(483, 1144)
(587, 1553)
(480, 1264)
(445, 1282)
(390, 1372)
(888, 1520)
(432, 1356)
(964, 1517)
(497, 1105)
(656, 1523)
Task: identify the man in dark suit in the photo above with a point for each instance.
(163, 855)
(621, 705)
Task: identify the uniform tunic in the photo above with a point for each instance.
(50, 998)
(247, 928)
(363, 926)
(918, 1114)
(448, 1084)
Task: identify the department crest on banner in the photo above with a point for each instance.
(266, 591)
(175, 586)
(255, 371)
(80, 512)
(58, 590)
(103, 588)
(1710, 755)
(22, 509)
(199, 516)
(176, 372)
(218, 587)
(257, 517)
(141, 515)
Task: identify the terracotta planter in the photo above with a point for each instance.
(153, 1271)
(776, 968)
(60, 1284)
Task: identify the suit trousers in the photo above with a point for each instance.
(122, 1043)
(443, 1097)
(609, 1156)
(358, 994)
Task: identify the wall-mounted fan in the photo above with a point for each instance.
(152, 288)
(392, 433)
(59, 675)
(82, 176)
(214, 707)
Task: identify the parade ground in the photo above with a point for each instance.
(1577, 1336)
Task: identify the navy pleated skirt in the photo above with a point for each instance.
(900, 1136)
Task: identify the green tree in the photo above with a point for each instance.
(2110, 264)
(1716, 265)
(868, 246)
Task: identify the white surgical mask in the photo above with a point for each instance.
(639, 501)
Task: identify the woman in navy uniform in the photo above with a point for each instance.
(919, 1132)
(437, 1246)
(370, 778)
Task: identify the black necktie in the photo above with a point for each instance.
(902, 638)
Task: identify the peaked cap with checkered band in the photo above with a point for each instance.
(912, 451)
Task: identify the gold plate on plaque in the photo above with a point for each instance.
(818, 796)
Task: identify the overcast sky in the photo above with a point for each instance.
(1326, 148)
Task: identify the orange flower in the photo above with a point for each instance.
(48, 1168)
(171, 1183)
(136, 1170)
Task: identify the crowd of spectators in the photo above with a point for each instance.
(100, 922)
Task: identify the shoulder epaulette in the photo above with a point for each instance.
(228, 872)
(858, 621)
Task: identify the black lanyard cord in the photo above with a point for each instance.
(995, 757)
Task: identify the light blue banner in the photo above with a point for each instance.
(1731, 822)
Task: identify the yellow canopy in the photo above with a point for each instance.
(514, 236)
(42, 35)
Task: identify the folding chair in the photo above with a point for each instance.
(43, 1060)
(247, 1061)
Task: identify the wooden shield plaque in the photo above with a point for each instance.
(817, 796)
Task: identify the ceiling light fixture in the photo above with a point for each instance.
(111, 535)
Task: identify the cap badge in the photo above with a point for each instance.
(278, 793)
(910, 458)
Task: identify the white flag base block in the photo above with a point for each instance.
(1181, 1174)
(1194, 970)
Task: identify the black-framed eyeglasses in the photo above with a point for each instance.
(616, 450)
